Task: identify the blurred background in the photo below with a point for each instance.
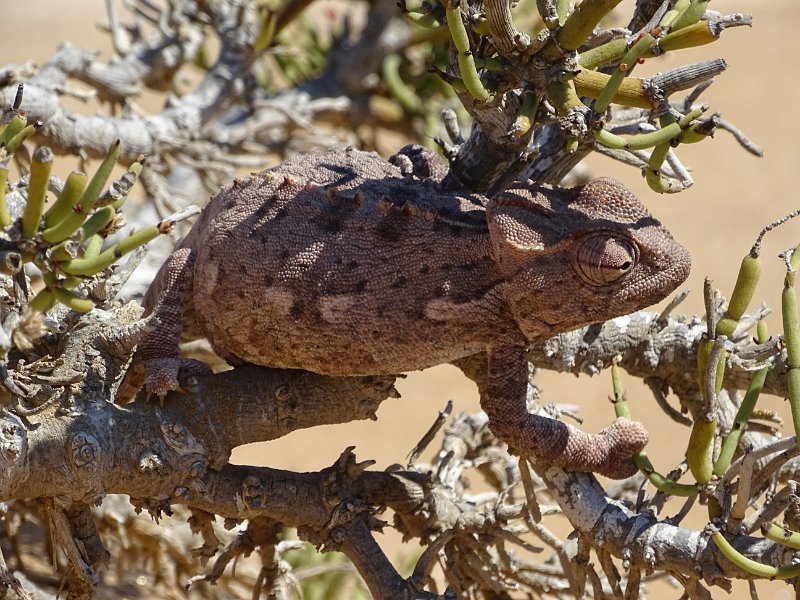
(734, 196)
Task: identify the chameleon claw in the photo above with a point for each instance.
(10, 385)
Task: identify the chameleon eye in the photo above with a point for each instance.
(602, 259)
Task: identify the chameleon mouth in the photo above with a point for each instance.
(679, 266)
(668, 272)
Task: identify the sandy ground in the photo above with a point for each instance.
(735, 194)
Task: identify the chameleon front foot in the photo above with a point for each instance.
(158, 376)
(608, 453)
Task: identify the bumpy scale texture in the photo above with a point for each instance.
(342, 263)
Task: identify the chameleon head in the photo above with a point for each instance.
(570, 257)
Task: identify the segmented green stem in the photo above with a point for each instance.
(791, 335)
(731, 441)
(580, 24)
(640, 459)
(16, 125)
(67, 199)
(750, 565)
(623, 70)
(742, 295)
(98, 221)
(646, 140)
(95, 264)
(75, 219)
(41, 164)
(781, 535)
(15, 142)
(466, 61)
(5, 217)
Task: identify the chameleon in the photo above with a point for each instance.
(345, 264)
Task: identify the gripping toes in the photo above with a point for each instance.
(162, 376)
(610, 451)
(547, 440)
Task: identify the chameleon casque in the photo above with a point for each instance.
(342, 263)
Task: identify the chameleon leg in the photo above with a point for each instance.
(157, 360)
(548, 440)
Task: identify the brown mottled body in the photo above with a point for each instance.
(341, 263)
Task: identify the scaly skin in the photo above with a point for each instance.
(341, 263)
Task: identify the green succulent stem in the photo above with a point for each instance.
(471, 79)
(455, 24)
(15, 142)
(94, 263)
(704, 351)
(675, 13)
(642, 141)
(72, 300)
(16, 125)
(67, 199)
(742, 295)
(690, 16)
(633, 55)
(653, 175)
(698, 452)
(581, 23)
(629, 93)
(698, 34)
(466, 60)
(655, 179)
(397, 88)
(266, 32)
(699, 449)
(51, 280)
(5, 217)
(562, 10)
(661, 483)
(640, 459)
(749, 565)
(61, 251)
(43, 301)
(791, 336)
(731, 441)
(603, 54)
(696, 132)
(86, 202)
(106, 258)
(422, 19)
(564, 96)
(93, 246)
(41, 165)
(781, 535)
(98, 221)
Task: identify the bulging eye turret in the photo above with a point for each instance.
(602, 259)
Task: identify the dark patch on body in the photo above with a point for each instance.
(391, 229)
(331, 221)
(297, 309)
